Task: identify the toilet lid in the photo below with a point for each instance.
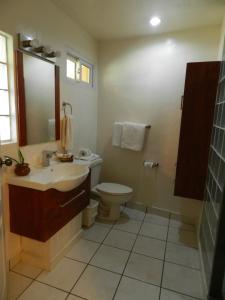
(113, 188)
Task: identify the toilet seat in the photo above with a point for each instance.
(113, 188)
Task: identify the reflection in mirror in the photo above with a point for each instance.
(39, 80)
(38, 89)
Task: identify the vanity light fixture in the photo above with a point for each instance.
(40, 49)
(155, 21)
(30, 43)
(52, 54)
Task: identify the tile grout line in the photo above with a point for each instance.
(20, 294)
(21, 274)
(150, 237)
(57, 288)
(130, 253)
(164, 261)
(68, 292)
(88, 264)
(180, 293)
(129, 256)
(101, 268)
(175, 291)
(122, 249)
(32, 280)
(164, 258)
(100, 244)
(176, 243)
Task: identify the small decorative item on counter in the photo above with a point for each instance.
(21, 168)
(65, 157)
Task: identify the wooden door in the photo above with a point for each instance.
(196, 125)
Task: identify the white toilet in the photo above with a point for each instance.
(111, 195)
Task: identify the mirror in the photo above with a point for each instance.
(38, 99)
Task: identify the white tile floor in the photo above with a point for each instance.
(144, 256)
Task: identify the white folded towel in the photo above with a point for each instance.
(117, 133)
(66, 133)
(91, 157)
(133, 135)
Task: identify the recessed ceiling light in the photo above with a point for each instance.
(155, 21)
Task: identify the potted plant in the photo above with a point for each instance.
(21, 168)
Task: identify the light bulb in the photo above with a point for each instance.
(155, 21)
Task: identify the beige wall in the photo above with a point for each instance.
(142, 80)
(42, 20)
(222, 39)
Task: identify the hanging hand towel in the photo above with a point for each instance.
(117, 132)
(66, 133)
(133, 135)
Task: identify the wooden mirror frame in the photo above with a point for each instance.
(21, 105)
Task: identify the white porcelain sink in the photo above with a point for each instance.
(62, 177)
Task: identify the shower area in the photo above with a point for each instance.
(212, 228)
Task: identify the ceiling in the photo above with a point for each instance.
(113, 19)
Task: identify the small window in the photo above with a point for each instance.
(85, 73)
(79, 70)
(6, 89)
(70, 68)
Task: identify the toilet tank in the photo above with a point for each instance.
(95, 167)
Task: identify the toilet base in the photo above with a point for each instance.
(108, 213)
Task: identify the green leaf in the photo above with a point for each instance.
(21, 158)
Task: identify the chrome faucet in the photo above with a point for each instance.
(46, 155)
(7, 161)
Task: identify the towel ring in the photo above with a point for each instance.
(64, 104)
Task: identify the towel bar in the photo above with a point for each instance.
(64, 104)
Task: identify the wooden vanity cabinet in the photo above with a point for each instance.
(196, 125)
(40, 214)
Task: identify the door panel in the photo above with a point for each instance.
(196, 125)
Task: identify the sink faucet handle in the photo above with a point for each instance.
(7, 161)
(46, 155)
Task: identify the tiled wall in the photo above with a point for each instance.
(214, 190)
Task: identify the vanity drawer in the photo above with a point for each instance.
(63, 206)
(39, 215)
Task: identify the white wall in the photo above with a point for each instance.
(222, 40)
(142, 80)
(42, 20)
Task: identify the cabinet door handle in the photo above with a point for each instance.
(72, 199)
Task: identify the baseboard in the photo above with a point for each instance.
(65, 249)
(136, 205)
(140, 206)
(14, 260)
(49, 264)
(34, 261)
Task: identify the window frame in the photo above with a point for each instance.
(90, 67)
(78, 62)
(70, 58)
(7, 64)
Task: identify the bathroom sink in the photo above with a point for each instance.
(62, 177)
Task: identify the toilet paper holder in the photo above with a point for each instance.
(150, 164)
